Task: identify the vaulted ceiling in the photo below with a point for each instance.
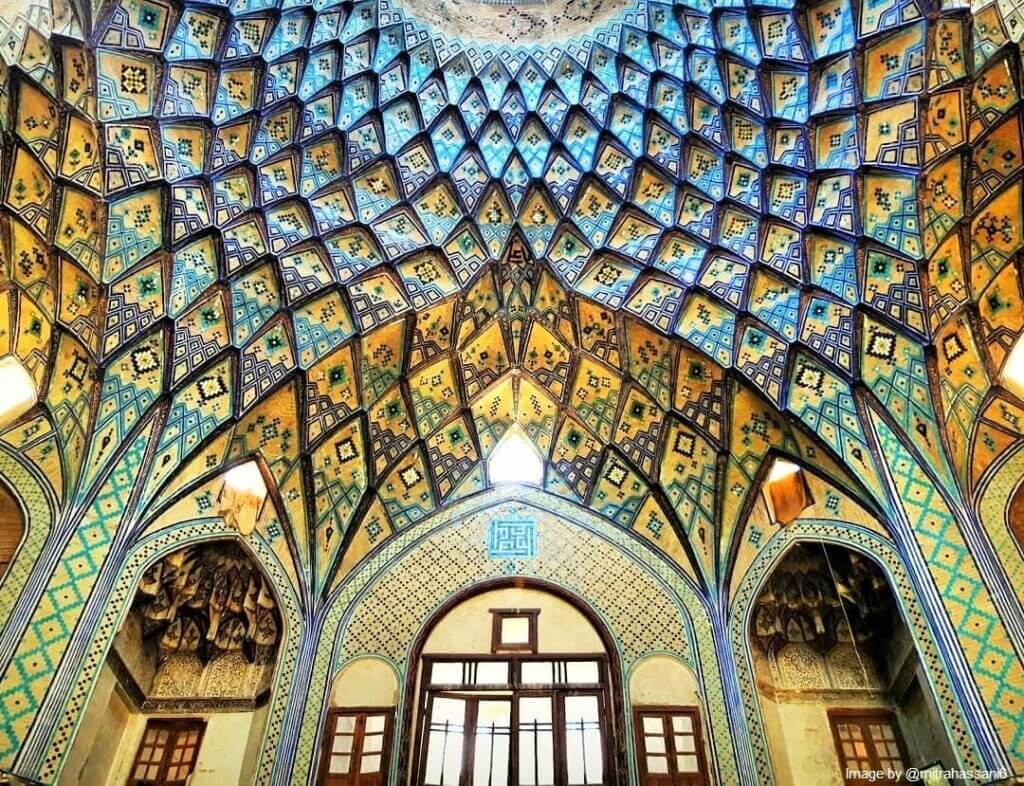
(688, 238)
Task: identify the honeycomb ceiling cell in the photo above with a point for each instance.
(364, 240)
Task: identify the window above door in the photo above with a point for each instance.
(514, 630)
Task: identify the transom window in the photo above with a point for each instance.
(514, 630)
(356, 747)
(168, 752)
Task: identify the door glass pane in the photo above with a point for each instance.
(491, 751)
(373, 743)
(375, 724)
(686, 763)
(584, 757)
(536, 744)
(653, 724)
(444, 741)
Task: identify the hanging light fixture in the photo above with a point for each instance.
(19, 390)
(242, 496)
(786, 491)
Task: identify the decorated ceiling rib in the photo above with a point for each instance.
(691, 237)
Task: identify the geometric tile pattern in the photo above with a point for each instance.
(735, 225)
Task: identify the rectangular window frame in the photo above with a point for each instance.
(499, 615)
(355, 778)
(864, 716)
(515, 690)
(175, 727)
(673, 777)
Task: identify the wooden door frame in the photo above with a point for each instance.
(328, 737)
(615, 731)
(663, 709)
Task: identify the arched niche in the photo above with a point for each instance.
(36, 508)
(791, 734)
(365, 682)
(1000, 506)
(669, 721)
(113, 704)
(663, 679)
(566, 667)
(444, 554)
(12, 528)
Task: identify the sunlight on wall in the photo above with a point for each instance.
(19, 390)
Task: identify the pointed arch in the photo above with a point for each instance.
(45, 751)
(884, 553)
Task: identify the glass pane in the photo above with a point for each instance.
(339, 764)
(373, 743)
(491, 752)
(582, 672)
(375, 724)
(535, 708)
(515, 630)
(445, 740)
(583, 740)
(446, 673)
(342, 744)
(492, 672)
(345, 723)
(657, 765)
(536, 748)
(370, 764)
(654, 744)
(652, 724)
(685, 743)
(682, 724)
(537, 672)
(687, 763)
